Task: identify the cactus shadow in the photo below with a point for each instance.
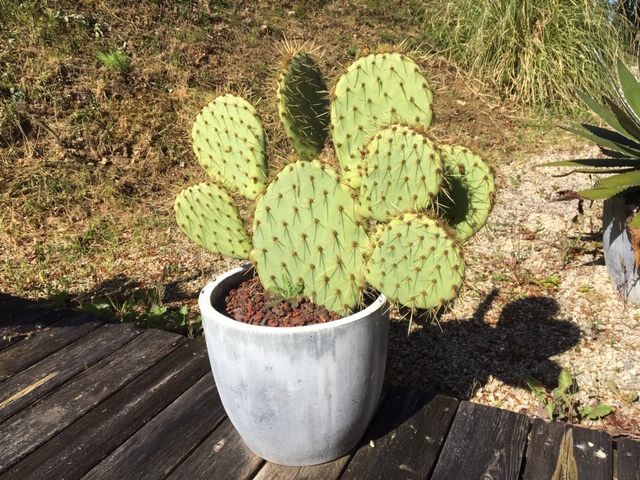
(459, 356)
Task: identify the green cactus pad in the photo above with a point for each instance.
(229, 142)
(415, 262)
(208, 215)
(402, 173)
(467, 197)
(376, 90)
(303, 105)
(306, 231)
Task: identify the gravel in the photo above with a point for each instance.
(537, 299)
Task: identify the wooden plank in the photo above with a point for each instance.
(628, 459)
(29, 321)
(163, 443)
(23, 389)
(222, 455)
(543, 451)
(326, 471)
(30, 428)
(13, 305)
(484, 442)
(84, 444)
(593, 452)
(22, 355)
(406, 438)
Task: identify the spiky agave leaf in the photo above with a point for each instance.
(416, 263)
(207, 214)
(376, 90)
(229, 142)
(303, 103)
(467, 197)
(612, 186)
(621, 143)
(306, 231)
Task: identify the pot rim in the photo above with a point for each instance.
(208, 311)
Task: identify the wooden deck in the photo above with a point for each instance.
(81, 398)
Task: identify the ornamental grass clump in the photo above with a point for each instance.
(393, 216)
(532, 51)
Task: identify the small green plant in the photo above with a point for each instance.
(116, 60)
(393, 217)
(628, 398)
(143, 307)
(561, 404)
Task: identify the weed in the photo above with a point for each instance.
(116, 60)
(499, 277)
(144, 307)
(561, 403)
(628, 397)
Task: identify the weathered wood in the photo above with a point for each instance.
(484, 442)
(81, 446)
(628, 459)
(28, 321)
(13, 305)
(593, 451)
(30, 428)
(163, 443)
(22, 355)
(406, 438)
(222, 455)
(326, 471)
(543, 451)
(25, 388)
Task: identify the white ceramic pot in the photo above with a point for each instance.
(297, 395)
(618, 249)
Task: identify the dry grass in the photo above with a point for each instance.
(97, 102)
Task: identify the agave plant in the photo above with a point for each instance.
(620, 143)
(395, 215)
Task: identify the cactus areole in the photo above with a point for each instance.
(393, 217)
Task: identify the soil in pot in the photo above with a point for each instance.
(250, 303)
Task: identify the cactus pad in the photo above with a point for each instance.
(402, 173)
(376, 90)
(303, 105)
(209, 216)
(229, 142)
(467, 197)
(415, 262)
(305, 231)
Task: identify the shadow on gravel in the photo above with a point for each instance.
(460, 356)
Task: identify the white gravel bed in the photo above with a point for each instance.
(537, 299)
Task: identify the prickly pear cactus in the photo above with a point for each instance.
(416, 263)
(209, 216)
(303, 104)
(467, 198)
(402, 173)
(229, 142)
(306, 231)
(309, 231)
(376, 90)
